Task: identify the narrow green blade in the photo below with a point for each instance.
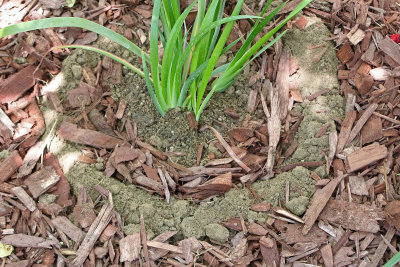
(72, 22)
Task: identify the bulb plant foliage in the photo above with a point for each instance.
(182, 77)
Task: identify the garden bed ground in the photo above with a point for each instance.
(105, 140)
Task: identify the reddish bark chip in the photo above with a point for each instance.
(63, 189)
(261, 207)
(364, 68)
(269, 250)
(241, 134)
(232, 113)
(41, 181)
(296, 94)
(353, 216)
(9, 166)
(83, 95)
(372, 130)
(16, 85)
(365, 156)
(301, 22)
(217, 186)
(392, 214)
(363, 83)
(72, 133)
(345, 53)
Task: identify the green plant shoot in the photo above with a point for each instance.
(183, 76)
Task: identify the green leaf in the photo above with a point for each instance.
(215, 55)
(150, 88)
(5, 250)
(72, 22)
(154, 54)
(104, 53)
(169, 54)
(395, 259)
(70, 3)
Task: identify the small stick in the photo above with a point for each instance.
(229, 149)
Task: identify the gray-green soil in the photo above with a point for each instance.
(195, 219)
(311, 78)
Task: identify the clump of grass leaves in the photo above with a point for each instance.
(190, 55)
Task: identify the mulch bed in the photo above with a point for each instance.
(354, 215)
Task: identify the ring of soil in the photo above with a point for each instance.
(172, 134)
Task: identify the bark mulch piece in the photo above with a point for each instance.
(356, 217)
(16, 85)
(72, 133)
(9, 166)
(365, 156)
(352, 218)
(318, 203)
(41, 181)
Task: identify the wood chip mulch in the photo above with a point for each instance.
(353, 218)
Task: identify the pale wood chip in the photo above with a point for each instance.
(33, 155)
(64, 225)
(93, 234)
(161, 245)
(24, 198)
(357, 217)
(380, 251)
(327, 256)
(25, 241)
(42, 180)
(130, 248)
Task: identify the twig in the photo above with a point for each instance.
(229, 149)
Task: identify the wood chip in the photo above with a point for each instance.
(345, 131)
(360, 123)
(364, 83)
(389, 47)
(365, 156)
(26, 241)
(261, 207)
(327, 256)
(164, 246)
(372, 130)
(24, 198)
(72, 133)
(64, 225)
(16, 85)
(358, 186)
(345, 53)
(251, 104)
(100, 122)
(93, 234)
(9, 166)
(269, 251)
(356, 35)
(380, 251)
(41, 181)
(318, 202)
(130, 248)
(152, 150)
(229, 149)
(353, 216)
(214, 187)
